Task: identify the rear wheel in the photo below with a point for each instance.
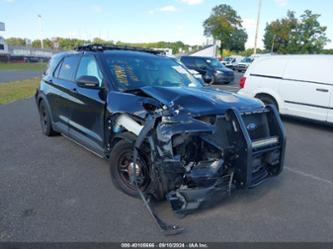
(45, 120)
(122, 167)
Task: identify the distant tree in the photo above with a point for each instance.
(310, 36)
(279, 33)
(225, 25)
(14, 41)
(327, 51)
(46, 42)
(238, 40)
(36, 44)
(293, 35)
(69, 44)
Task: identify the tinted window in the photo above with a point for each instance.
(214, 63)
(200, 62)
(188, 61)
(68, 68)
(88, 66)
(247, 60)
(52, 64)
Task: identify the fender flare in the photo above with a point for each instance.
(41, 97)
(273, 95)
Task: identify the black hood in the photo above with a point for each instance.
(201, 101)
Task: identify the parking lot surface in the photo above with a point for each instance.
(12, 75)
(54, 190)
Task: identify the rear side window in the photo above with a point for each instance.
(200, 63)
(68, 68)
(54, 61)
(188, 61)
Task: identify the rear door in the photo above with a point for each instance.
(61, 97)
(188, 62)
(305, 87)
(87, 118)
(201, 65)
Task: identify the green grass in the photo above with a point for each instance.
(17, 90)
(23, 66)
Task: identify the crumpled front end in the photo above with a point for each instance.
(196, 159)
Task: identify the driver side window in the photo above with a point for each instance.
(200, 63)
(88, 66)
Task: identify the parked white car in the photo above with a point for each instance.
(244, 64)
(299, 85)
(232, 61)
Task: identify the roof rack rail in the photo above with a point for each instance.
(101, 47)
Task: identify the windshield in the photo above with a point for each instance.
(228, 59)
(247, 60)
(214, 63)
(134, 71)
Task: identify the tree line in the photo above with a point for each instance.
(288, 35)
(60, 43)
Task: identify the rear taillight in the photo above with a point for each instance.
(242, 82)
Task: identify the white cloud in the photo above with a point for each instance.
(166, 8)
(192, 2)
(281, 3)
(249, 23)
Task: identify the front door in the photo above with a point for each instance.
(87, 118)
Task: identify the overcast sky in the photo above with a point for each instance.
(143, 20)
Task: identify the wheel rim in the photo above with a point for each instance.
(43, 117)
(124, 166)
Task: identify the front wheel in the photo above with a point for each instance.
(121, 168)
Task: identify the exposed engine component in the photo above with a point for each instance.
(194, 160)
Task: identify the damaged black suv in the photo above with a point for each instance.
(164, 133)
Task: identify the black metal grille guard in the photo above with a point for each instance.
(250, 151)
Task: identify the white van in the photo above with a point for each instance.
(299, 85)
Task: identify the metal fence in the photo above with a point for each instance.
(16, 53)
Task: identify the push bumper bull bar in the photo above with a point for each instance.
(248, 169)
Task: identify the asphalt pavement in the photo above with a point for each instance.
(53, 190)
(12, 75)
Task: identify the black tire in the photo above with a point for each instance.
(120, 160)
(45, 120)
(268, 100)
(208, 79)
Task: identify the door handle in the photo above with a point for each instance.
(74, 90)
(322, 90)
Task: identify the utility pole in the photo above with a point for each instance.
(41, 30)
(257, 28)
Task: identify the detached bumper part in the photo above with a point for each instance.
(189, 199)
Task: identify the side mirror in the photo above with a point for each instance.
(87, 81)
